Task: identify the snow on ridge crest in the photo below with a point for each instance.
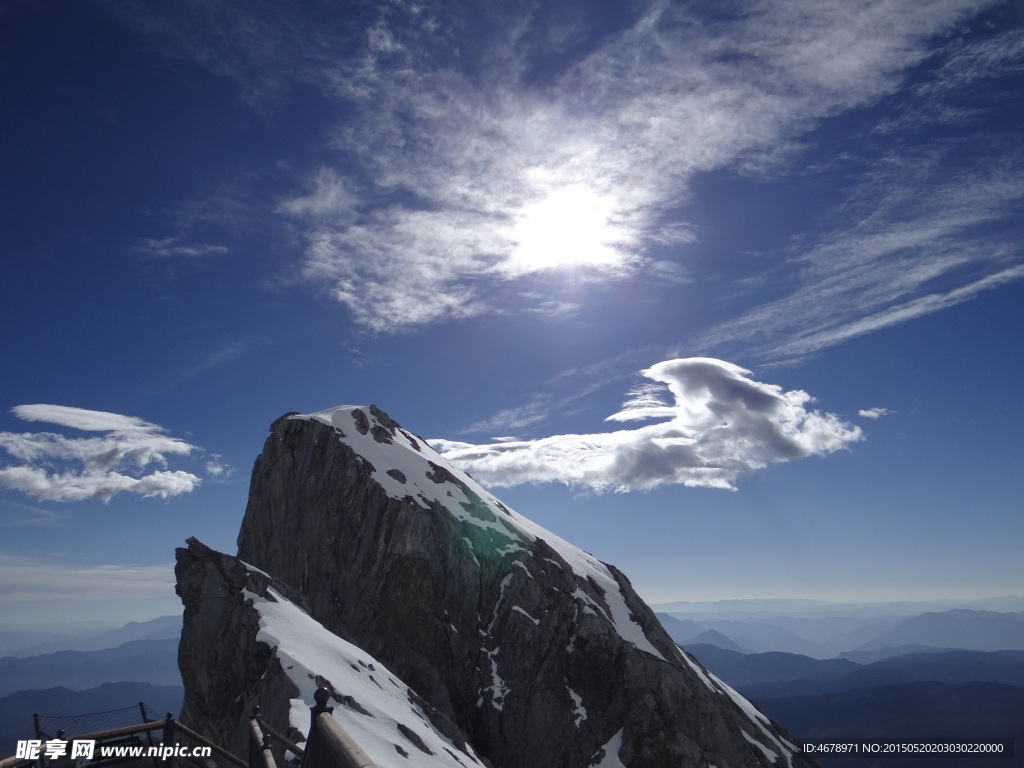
(406, 467)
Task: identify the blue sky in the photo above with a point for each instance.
(728, 294)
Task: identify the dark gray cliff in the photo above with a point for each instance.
(225, 671)
(541, 655)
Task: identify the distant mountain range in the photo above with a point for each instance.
(137, 662)
(151, 661)
(942, 694)
(23, 643)
(956, 672)
(859, 638)
(788, 674)
(958, 628)
(744, 609)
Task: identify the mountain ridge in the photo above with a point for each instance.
(398, 553)
(151, 661)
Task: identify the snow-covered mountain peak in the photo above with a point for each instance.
(513, 640)
(405, 467)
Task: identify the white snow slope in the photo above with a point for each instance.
(307, 650)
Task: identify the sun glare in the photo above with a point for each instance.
(570, 226)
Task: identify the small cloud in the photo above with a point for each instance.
(216, 468)
(722, 424)
(556, 308)
(174, 248)
(113, 463)
(873, 413)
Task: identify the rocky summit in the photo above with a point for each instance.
(450, 629)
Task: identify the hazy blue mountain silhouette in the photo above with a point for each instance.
(870, 657)
(151, 661)
(958, 628)
(679, 629)
(717, 639)
(748, 671)
(161, 628)
(785, 674)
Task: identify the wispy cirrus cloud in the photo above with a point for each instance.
(59, 468)
(513, 419)
(18, 514)
(176, 248)
(926, 236)
(468, 167)
(504, 181)
(721, 424)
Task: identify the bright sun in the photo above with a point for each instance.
(570, 226)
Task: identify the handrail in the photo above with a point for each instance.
(290, 745)
(169, 726)
(260, 755)
(328, 745)
(219, 751)
(128, 730)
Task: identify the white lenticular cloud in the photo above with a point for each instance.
(80, 418)
(722, 424)
(102, 466)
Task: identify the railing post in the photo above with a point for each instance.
(260, 755)
(168, 736)
(328, 744)
(62, 762)
(149, 734)
(316, 749)
(39, 735)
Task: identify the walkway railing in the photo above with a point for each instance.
(127, 738)
(327, 746)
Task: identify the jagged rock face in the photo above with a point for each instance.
(225, 671)
(540, 654)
